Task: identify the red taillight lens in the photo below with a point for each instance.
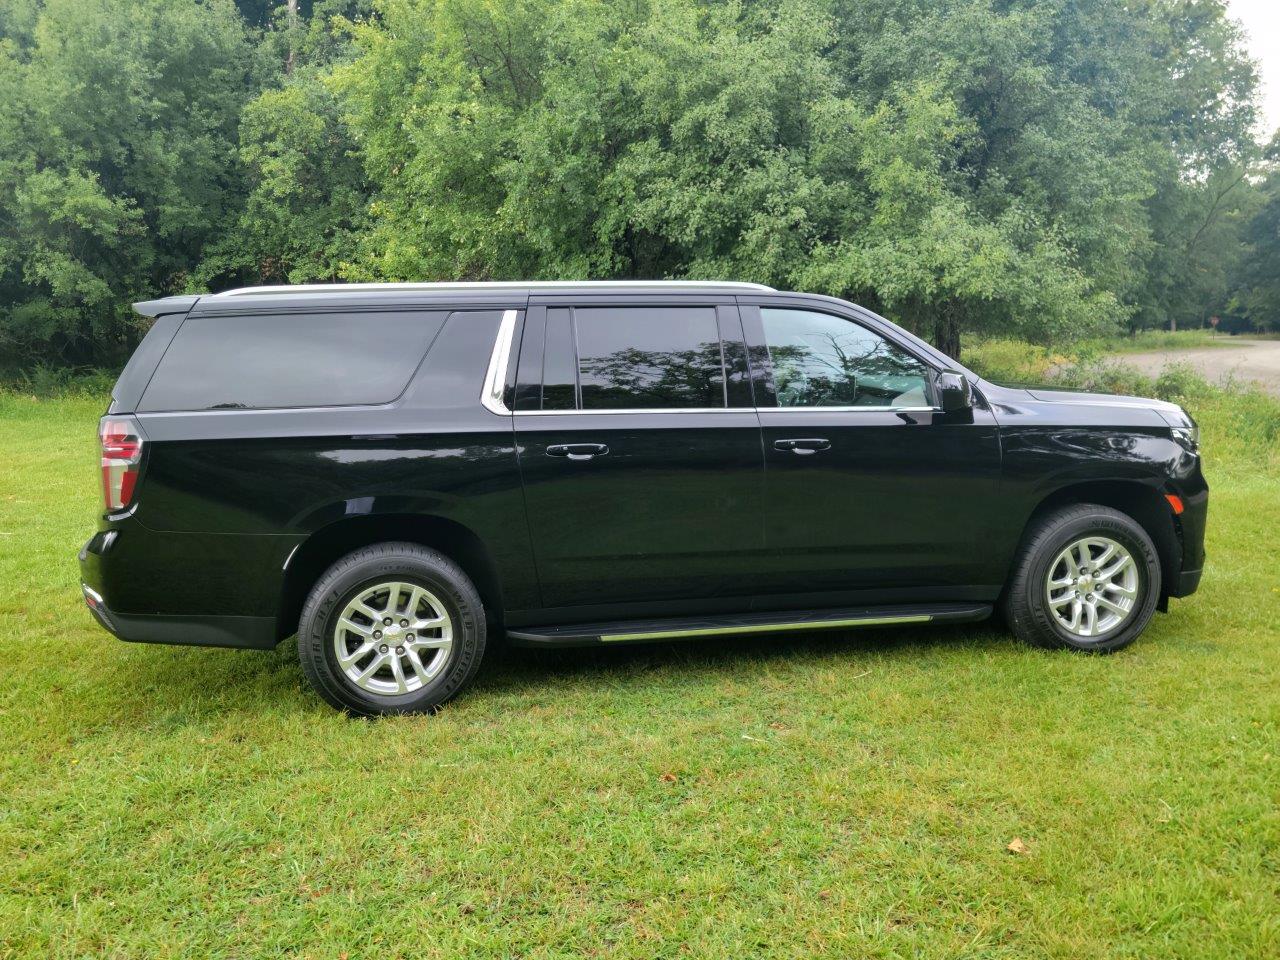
(121, 457)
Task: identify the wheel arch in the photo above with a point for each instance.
(1141, 501)
(332, 542)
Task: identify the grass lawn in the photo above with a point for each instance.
(837, 796)
(1149, 341)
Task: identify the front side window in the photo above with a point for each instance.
(820, 360)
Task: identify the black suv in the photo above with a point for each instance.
(397, 473)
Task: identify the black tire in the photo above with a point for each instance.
(1026, 601)
(358, 571)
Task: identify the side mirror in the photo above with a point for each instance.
(954, 395)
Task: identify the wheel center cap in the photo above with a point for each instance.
(391, 631)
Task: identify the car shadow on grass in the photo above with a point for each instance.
(186, 684)
(514, 668)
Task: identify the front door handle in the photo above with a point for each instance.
(804, 447)
(578, 451)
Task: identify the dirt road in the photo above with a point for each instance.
(1256, 360)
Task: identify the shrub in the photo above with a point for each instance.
(1013, 361)
(45, 381)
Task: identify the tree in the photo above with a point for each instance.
(117, 122)
(1048, 169)
(961, 165)
(1259, 280)
(306, 194)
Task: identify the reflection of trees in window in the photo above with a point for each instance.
(636, 378)
(843, 371)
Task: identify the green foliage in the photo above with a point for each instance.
(307, 197)
(116, 118)
(306, 205)
(1005, 360)
(1049, 170)
(955, 165)
(674, 139)
(1259, 294)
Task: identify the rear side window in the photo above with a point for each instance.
(649, 358)
(622, 358)
(291, 360)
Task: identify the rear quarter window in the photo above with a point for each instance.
(133, 378)
(291, 360)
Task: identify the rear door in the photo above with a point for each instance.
(640, 452)
(871, 491)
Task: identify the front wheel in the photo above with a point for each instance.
(391, 628)
(1087, 577)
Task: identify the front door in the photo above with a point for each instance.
(872, 493)
(640, 454)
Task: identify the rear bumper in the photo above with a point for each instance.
(253, 633)
(201, 630)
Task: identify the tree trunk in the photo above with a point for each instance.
(292, 6)
(946, 329)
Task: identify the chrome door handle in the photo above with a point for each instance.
(804, 447)
(578, 451)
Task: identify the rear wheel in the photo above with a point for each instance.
(391, 628)
(1087, 577)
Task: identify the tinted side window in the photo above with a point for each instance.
(824, 361)
(133, 378)
(648, 357)
(291, 360)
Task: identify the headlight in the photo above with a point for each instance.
(1185, 431)
(1187, 437)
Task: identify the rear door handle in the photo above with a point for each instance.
(578, 451)
(804, 446)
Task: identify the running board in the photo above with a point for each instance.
(642, 631)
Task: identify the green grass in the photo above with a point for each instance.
(1151, 341)
(821, 795)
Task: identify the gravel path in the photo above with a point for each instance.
(1257, 360)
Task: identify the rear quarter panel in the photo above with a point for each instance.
(259, 482)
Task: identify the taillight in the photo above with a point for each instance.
(121, 441)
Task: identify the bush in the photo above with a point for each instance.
(46, 381)
(1013, 361)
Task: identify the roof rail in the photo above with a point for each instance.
(488, 285)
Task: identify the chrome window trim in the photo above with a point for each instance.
(848, 409)
(651, 410)
(495, 379)
(622, 411)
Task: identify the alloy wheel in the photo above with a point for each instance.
(393, 638)
(1092, 587)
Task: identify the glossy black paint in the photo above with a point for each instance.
(893, 499)
(671, 511)
(573, 517)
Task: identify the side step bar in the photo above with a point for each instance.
(643, 631)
